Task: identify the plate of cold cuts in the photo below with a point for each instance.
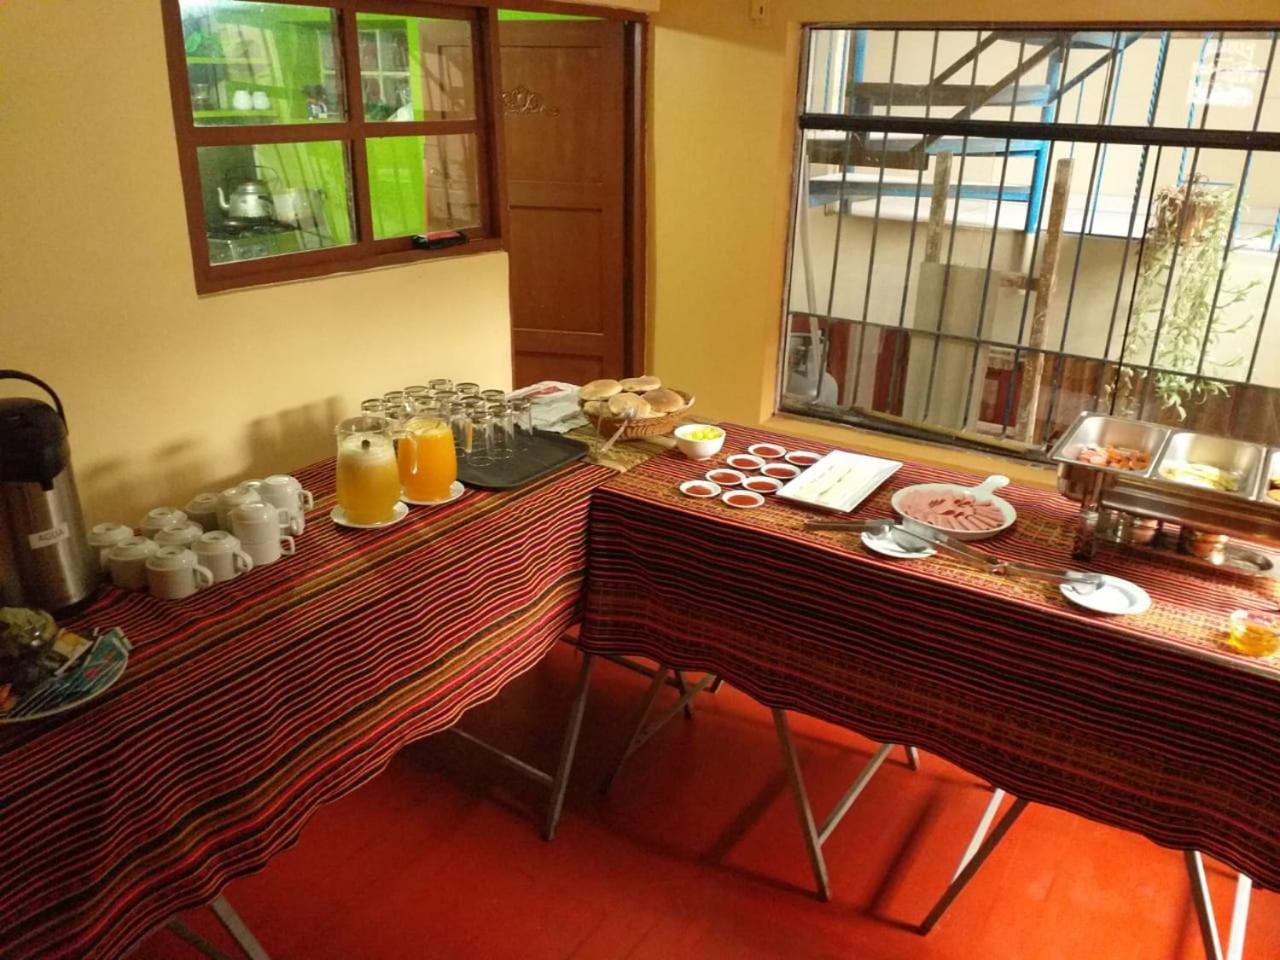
(964, 513)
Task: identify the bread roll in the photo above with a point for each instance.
(663, 400)
(628, 404)
(599, 390)
(596, 408)
(641, 384)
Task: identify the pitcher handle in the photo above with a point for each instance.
(413, 447)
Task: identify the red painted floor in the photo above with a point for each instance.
(696, 853)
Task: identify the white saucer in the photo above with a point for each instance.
(885, 545)
(456, 489)
(339, 516)
(1115, 596)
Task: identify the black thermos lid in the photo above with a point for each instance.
(33, 442)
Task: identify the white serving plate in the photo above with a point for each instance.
(839, 481)
(1116, 597)
(983, 491)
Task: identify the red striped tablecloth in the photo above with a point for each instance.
(1141, 722)
(248, 706)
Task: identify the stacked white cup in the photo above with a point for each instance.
(232, 497)
(284, 491)
(174, 573)
(221, 553)
(260, 529)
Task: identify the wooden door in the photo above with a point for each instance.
(563, 95)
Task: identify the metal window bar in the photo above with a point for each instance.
(951, 242)
(1094, 171)
(995, 236)
(1235, 215)
(875, 231)
(911, 242)
(1103, 134)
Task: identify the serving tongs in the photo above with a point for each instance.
(911, 538)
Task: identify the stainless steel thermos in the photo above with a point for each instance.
(45, 560)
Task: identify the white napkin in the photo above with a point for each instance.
(554, 405)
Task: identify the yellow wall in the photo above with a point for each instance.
(168, 393)
(723, 121)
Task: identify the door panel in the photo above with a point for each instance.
(563, 100)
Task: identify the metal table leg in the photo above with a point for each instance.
(815, 836)
(1204, 910)
(238, 929)
(975, 857)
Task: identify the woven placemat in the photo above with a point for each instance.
(623, 455)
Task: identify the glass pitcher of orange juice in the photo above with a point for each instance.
(428, 461)
(368, 479)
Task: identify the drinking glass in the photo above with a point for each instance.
(467, 389)
(372, 407)
(460, 426)
(444, 397)
(439, 385)
(481, 454)
(522, 420)
(418, 393)
(396, 405)
(502, 441)
(475, 403)
(494, 396)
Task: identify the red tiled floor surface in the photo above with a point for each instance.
(696, 853)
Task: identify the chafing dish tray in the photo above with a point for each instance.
(1245, 512)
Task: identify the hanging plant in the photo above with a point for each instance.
(1187, 231)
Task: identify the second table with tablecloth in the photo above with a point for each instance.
(246, 707)
(1141, 722)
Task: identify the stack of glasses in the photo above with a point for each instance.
(483, 425)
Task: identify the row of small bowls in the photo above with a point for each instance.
(764, 459)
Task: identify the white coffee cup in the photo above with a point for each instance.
(203, 509)
(104, 536)
(242, 100)
(256, 522)
(221, 553)
(126, 561)
(179, 536)
(159, 518)
(263, 552)
(233, 497)
(282, 490)
(174, 573)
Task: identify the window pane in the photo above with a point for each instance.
(256, 63)
(272, 199)
(422, 184)
(415, 68)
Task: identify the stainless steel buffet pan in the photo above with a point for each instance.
(1245, 459)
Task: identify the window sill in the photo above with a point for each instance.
(917, 451)
(272, 273)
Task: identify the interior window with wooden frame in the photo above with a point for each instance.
(333, 135)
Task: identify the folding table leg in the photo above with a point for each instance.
(568, 748)
(238, 929)
(975, 858)
(815, 836)
(913, 756)
(644, 729)
(1204, 910)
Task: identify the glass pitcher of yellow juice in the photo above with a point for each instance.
(428, 461)
(368, 478)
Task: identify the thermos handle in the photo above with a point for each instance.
(19, 375)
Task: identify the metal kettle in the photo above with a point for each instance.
(250, 200)
(45, 560)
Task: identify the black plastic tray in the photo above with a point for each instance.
(546, 452)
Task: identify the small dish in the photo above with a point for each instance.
(885, 545)
(780, 471)
(699, 441)
(803, 458)
(339, 516)
(765, 485)
(1115, 596)
(700, 489)
(741, 499)
(456, 489)
(767, 451)
(745, 461)
(725, 477)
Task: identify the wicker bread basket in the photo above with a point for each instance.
(649, 427)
